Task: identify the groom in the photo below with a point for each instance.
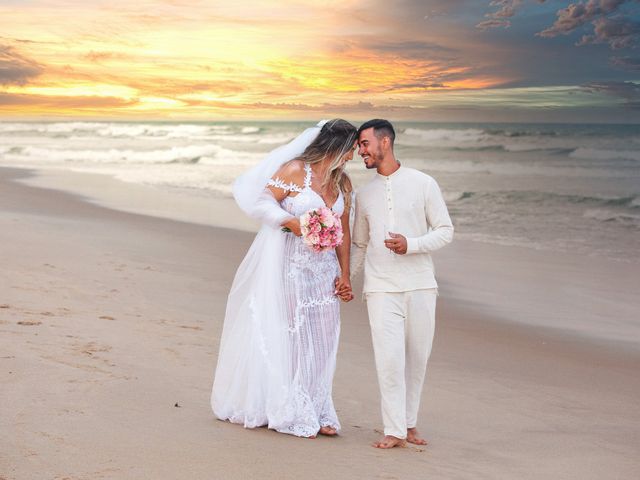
(400, 219)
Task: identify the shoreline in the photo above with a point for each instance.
(554, 291)
(110, 319)
(172, 203)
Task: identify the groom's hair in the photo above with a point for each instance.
(381, 128)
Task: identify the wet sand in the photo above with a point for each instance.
(110, 325)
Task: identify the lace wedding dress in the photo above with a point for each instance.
(313, 315)
(280, 338)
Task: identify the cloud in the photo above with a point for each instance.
(498, 18)
(18, 40)
(99, 57)
(611, 26)
(50, 101)
(412, 48)
(507, 8)
(617, 32)
(627, 63)
(578, 14)
(177, 59)
(494, 23)
(416, 86)
(628, 91)
(419, 9)
(613, 23)
(16, 69)
(347, 108)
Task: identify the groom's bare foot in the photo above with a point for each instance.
(414, 437)
(389, 441)
(328, 431)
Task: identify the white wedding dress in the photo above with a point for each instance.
(280, 339)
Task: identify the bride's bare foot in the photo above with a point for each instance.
(329, 431)
(389, 441)
(414, 437)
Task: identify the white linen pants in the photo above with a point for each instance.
(402, 328)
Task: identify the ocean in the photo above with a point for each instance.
(557, 187)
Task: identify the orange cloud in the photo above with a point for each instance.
(192, 58)
(15, 68)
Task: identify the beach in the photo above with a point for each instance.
(513, 126)
(111, 315)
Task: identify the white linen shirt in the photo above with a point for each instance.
(408, 202)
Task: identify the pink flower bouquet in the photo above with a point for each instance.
(321, 229)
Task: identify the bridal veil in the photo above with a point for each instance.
(253, 374)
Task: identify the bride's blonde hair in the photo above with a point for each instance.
(334, 141)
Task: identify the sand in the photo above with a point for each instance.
(110, 326)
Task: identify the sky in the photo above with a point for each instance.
(424, 60)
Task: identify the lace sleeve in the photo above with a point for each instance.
(287, 187)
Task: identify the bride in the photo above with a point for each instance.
(280, 337)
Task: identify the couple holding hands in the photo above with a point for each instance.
(278, 349)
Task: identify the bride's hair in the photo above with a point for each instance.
(334, 141)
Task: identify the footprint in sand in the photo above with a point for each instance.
(91, 348)
(190, 327)
(51, 436)
(164, 321)
(172, 352)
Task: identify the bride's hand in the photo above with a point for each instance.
(347, 296)
(293, 224)
(343, 288)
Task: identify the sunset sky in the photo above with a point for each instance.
(438, 60)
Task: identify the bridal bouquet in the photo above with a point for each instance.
(321, 229)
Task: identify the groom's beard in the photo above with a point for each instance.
(374, 159)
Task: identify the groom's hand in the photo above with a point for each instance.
(346, 297)
(397, 243)
(343, 289)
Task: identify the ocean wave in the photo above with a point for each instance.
(598, 154)
(523, 133)
(119, 130)
(148, 130)
(248, 138)
(450, 196)
(276, 139)
(530, 147)
(212, 154)
(474, 139)
(418, 136)
(545, 165)
(630, 202)
(55, 127)
(605, 215)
